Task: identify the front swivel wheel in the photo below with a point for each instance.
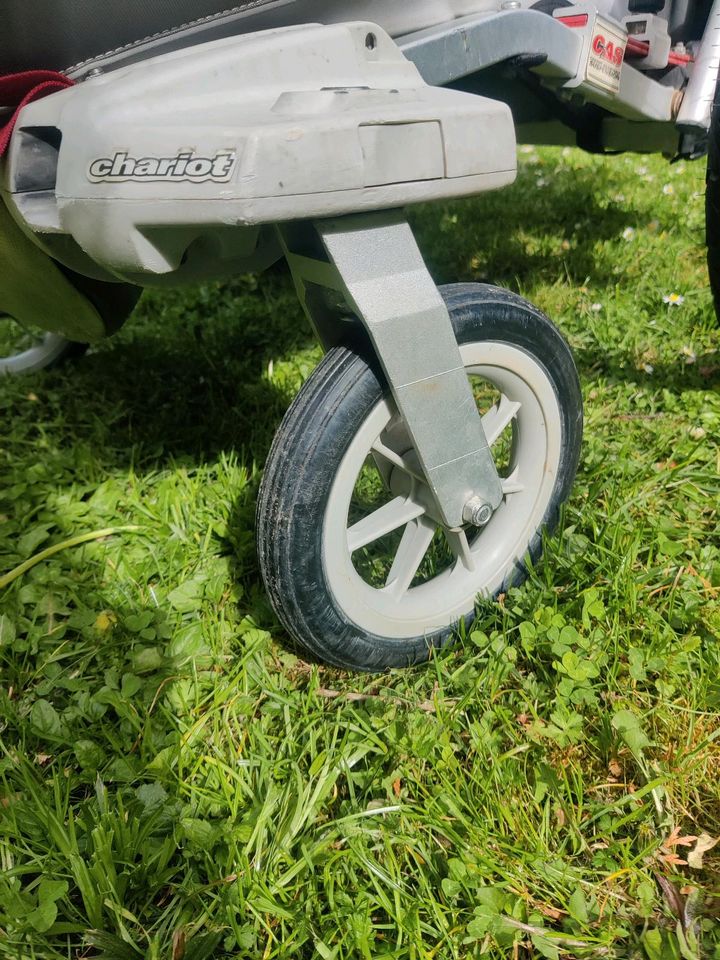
(355, 558)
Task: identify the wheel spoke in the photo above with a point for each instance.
(396, 513)
(404, 463)
(499, 417)
(416, 540)
(458, 543)
(511, 484)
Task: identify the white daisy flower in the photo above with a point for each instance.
(628, 233)
(596, 307)
(674, 299)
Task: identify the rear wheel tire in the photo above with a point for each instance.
(356, 562)
(27, 351)
(712, 202)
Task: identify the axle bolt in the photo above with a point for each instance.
(477, 512)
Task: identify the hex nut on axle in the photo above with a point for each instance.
(477, 512)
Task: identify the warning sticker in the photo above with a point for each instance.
(605, 56)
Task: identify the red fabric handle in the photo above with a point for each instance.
(18, 89)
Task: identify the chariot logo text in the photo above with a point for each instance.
(184, 166)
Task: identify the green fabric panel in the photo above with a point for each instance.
(36, 293)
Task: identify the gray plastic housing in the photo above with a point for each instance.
(168, 169)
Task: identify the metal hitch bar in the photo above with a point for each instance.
(373, 262)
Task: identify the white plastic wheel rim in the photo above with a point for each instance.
(40, 355)
(499, 546)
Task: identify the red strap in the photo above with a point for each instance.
(18, 89)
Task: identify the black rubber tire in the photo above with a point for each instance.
(312, 440)
(712, 202)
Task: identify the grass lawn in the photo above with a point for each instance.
(176, 784)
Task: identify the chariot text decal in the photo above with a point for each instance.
(185, 166)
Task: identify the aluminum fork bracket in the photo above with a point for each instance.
(374, 262)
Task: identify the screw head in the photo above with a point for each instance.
(477, 512)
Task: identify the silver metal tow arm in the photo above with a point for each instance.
(373, 262)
